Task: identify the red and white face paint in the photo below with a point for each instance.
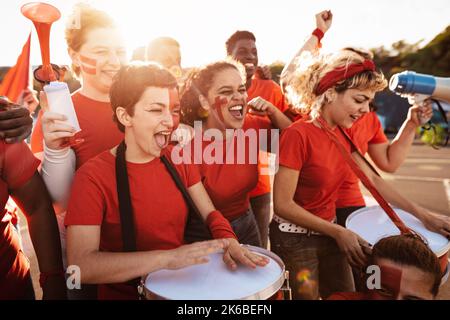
(219, 102)
(88, 65)
(174, 106)
(402, 282)
(100, 58)
(227, 99)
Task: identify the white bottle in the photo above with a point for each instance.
(59, 101)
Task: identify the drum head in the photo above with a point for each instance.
(373, 224)
(214, 281)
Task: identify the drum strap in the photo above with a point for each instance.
(125, 206)
(361, 175)
(193, 210)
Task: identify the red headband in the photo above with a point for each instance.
(342, 73)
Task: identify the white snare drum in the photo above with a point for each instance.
(373, 224)
(214, 281)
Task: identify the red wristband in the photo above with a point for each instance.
(44, 276)
(319, 34)
(219, 226)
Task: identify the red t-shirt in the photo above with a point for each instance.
(269, 91)
(229, 184)
(307, 149)
(365, 131)
(17, 167)
(98, 129)
(160, 211)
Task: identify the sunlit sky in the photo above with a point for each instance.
(202, 26)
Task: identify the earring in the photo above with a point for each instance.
(202, 113)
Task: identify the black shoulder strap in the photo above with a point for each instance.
(125, 208)
(176, 178)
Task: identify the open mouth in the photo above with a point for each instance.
(250, 67)
(162, 138)
(237, 111)
(354, 118)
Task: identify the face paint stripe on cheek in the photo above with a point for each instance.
(174, 101)
(391, 279)
(88, 65)
(218, 103)
(92, 62)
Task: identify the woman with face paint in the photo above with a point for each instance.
(215, 103)
(97, 51)
(146, 105)
(335, 91)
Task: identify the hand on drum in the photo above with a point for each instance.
(195, 253)
(354, 247)
(437, 223)
(236, 253)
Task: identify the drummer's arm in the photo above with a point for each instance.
(434, 222)
(221, 228)
(115, 267)
(285, 207)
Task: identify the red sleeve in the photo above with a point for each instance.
(379, 136)
(18, 164)
(190, 174)
(37, 136)
(292, 149)
(87, 203)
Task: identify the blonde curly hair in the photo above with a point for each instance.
(301, 90)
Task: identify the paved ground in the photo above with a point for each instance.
(424, 177)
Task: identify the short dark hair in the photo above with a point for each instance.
(235, 37)
(130, 83)
(410, 250)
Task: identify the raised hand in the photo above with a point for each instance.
(324, 20)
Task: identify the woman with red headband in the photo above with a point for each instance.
(367, 133)
(335, 91)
